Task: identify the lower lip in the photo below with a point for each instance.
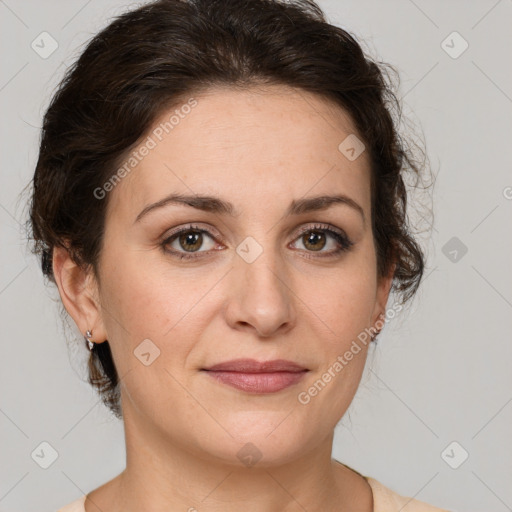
(258, 382)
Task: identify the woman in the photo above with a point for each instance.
(219, 199)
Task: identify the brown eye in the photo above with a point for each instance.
(317, 238)
(191, 241)
(314, 240)
(188, 240)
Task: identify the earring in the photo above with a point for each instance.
(87, 337)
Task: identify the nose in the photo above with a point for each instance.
(260, 296)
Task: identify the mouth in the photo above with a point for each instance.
(257, 377)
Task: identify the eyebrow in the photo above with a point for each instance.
(213, 204)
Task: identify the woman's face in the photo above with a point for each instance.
(254, 285)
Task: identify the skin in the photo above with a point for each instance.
(259, 149)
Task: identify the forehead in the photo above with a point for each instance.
(254, 143)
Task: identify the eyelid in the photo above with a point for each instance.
(338, 234)
(210, 230)
(342, 239)
(322, 226)
(193, 226)
(184, 255)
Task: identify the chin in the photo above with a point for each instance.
(258, 443)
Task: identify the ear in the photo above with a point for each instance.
(383, 289)
(79, 294)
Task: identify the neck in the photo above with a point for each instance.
(162, 475)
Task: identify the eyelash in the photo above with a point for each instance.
(344, 243)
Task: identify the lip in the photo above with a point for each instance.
(257, 377)
(254, 366)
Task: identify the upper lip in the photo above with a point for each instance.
(254, 366)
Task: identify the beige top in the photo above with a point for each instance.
(384, 500)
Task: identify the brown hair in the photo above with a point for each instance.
(147, 60)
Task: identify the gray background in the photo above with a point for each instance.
(440, 372)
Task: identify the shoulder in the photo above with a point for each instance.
(386, 500)
(75, 506)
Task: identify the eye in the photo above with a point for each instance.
(188, 240)
(185, 243)
(318, 237)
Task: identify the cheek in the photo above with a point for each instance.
(342, 298)
(149, 334)
(342, 313)
(144, 300)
